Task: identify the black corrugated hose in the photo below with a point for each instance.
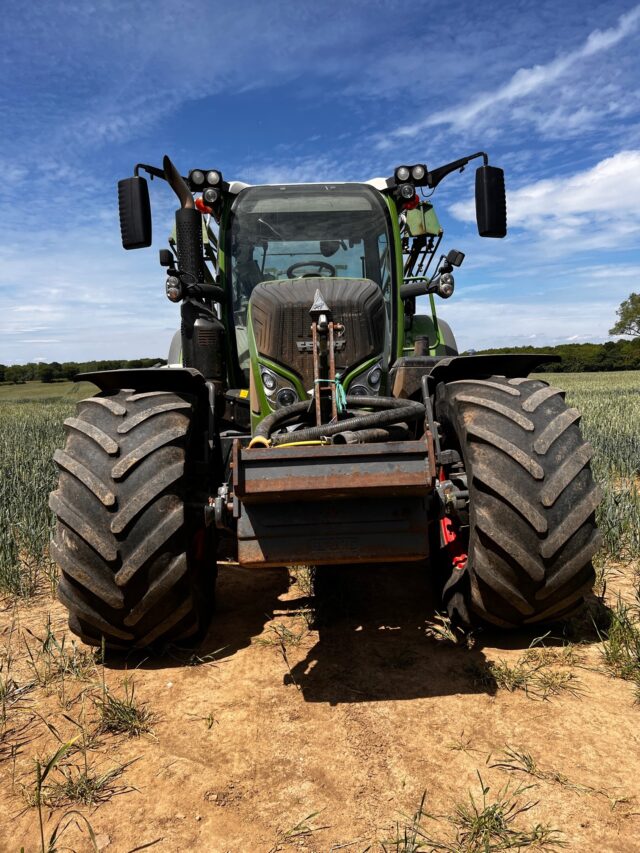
(393, 410)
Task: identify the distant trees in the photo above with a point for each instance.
(578, 358)
(15, 373)
(628, 317)
(46, 373)
(54, 371)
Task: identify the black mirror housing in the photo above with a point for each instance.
(491, 202)
(135, 213)
(455, 257)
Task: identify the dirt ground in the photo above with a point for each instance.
(277, 734)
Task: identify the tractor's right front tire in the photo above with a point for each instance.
(523, 554)
(137, 563)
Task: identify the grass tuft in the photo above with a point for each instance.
(442, 629)
(123, 715)
(84, 786)
(484, 825)
(536, 673)
(518, 761)
(621, 646)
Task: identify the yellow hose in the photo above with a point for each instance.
(301, 443)
(259, 441)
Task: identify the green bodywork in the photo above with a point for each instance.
(420, 221)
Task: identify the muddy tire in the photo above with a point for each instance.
(137, 564)
(531, 530)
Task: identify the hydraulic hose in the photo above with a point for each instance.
(280, 418)
(393, 411)
(394, 432)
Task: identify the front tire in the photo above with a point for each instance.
(137, 563)
(531, 530)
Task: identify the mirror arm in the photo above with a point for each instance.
(152, 171)
(434, 178)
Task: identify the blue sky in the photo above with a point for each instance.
(298, 91)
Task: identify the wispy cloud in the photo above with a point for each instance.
(525, 82)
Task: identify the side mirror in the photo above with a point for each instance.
(491, 202)
(455, 257)
(135, 213)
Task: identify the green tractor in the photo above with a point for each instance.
(309, 415)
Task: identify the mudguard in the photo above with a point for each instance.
(185, 379)
(467, 366)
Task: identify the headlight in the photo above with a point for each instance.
(197, 177)
(358, 391)
(402, 173)
(366, 383)
(279, 390)
(374, 377)
(418, 172)
(213, 178)
(287, 397)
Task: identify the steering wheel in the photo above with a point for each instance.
(321, 265)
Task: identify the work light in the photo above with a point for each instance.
(197, 177)
(418, 172)
(213, 177)
(403, 173)
(210, 195)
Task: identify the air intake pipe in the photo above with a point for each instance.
(202, 332)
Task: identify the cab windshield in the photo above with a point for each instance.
(287, 232)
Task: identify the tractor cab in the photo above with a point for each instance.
(284, 244)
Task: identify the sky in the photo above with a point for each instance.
(306, 91)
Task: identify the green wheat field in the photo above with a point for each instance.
(31, 418)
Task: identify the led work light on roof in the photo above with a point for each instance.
(213, 178)
(403, 173)
(197, 177)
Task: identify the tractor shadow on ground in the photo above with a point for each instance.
(245, 603)
(372, 641)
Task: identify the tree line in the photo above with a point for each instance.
(576, 358)
(55, 371)
(584, 358)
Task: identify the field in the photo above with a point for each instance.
(321, 717)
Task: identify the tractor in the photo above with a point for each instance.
(311, 411)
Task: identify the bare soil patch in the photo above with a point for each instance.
(317, 724)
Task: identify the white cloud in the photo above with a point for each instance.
(546, 322)
(595, 208)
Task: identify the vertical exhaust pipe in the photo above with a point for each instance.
(202, 333)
